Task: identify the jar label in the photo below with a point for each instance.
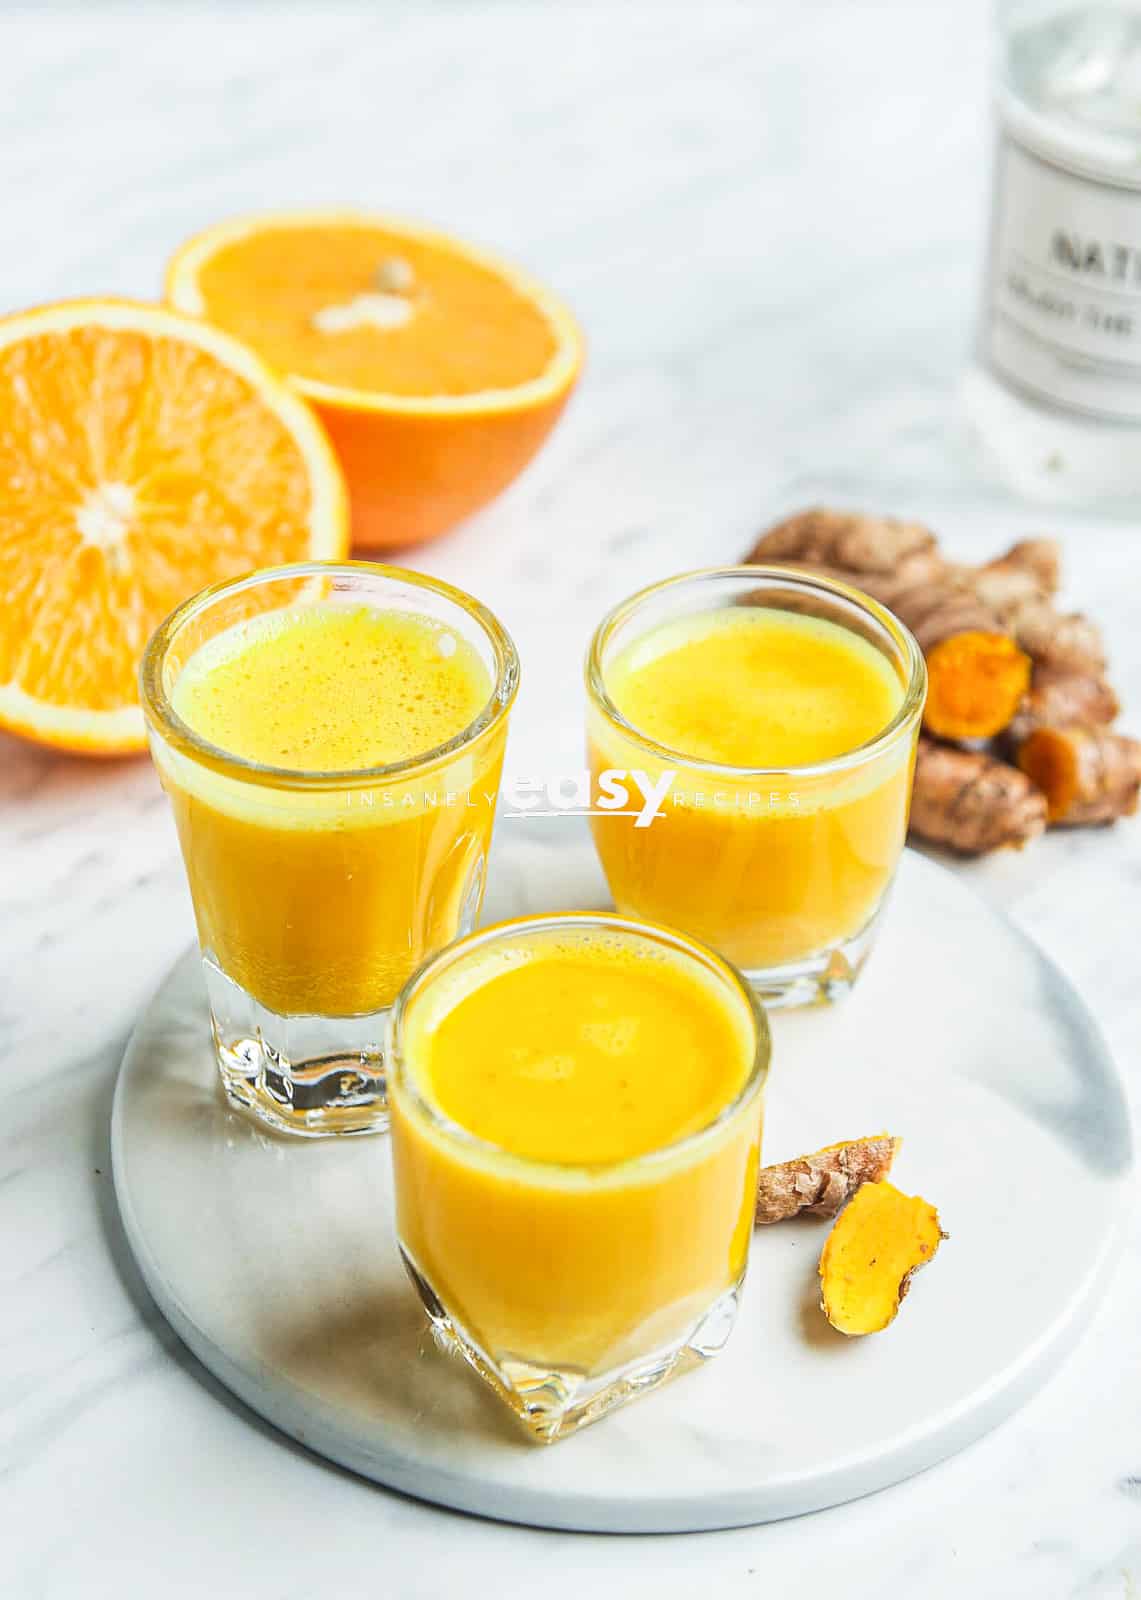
(1062, 320)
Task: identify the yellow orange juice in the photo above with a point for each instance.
(789, 739)
(333, 763)
(313, 904)
(576, 1119)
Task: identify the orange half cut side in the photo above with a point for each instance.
(438, 369)
(143, 455)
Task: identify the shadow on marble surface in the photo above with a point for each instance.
(375, 1355)
(111, 1228)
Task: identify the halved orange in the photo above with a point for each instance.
(143, 455)
(437, 370)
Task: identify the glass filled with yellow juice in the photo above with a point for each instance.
(576, 1122)
(331, 738)
(777, 714)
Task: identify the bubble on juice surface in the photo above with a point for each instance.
(544, 1066)
(615, 1036)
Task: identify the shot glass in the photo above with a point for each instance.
(574, 1289)
(784, 871)
(317, 893)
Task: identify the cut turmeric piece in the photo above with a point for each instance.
(822, 1183)
(880, 1238)
(1088, 775)
(976, 681)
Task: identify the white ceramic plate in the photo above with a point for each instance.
(275, 1261)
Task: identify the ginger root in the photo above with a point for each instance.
(1088, 775)
(823, 1182)
(879, 1240)
(970, 802)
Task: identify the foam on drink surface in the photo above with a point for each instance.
(755, 687)
(332, 687)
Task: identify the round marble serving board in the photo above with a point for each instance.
(275, 1260)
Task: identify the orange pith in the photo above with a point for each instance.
(142, 458)
(437, 370)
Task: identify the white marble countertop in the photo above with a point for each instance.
(770, 222)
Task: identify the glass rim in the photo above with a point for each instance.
(159, 711)
(803, 578)
(599, 1172)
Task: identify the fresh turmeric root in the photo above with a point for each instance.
(823, 1182)
(1003, 664)
(1018, 589)
(1058, 698)
(851, 541)
(970, 802)
(899, 564)
(977, 674)
(1030, 569)
(880, 1239)
(1088, 775)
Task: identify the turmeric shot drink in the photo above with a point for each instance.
(331, 739)
(576, 1119)
(783, 711)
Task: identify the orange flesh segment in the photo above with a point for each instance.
(137, 469)
(975, 683)
(470, 330)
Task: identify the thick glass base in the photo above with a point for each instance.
(554, 1403)
(819, 979)
(309, 1076)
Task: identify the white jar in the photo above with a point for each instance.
(1054, 396)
